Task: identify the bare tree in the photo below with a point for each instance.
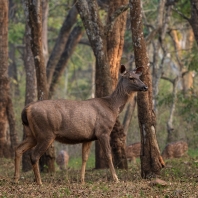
(151, 160)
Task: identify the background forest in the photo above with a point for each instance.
(178, 61)
(172, 49)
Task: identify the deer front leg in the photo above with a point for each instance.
(105, 145)
(85, 154)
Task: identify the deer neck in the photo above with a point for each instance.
(119, 98)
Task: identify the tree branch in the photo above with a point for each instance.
(114, 16)
(181, 14)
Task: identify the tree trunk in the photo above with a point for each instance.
(115, 42)
(45, 9)
(151, 160)
(60, 43)
(7, 122)
(194, 18)
(47, 161)
(159, 48)
(129, 113)
(12, 70)
(30, 92)
(170, 128)
(107, 44)
(72, 41)
(88, 11)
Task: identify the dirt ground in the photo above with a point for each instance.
(180, 176)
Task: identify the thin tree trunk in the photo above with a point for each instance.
(30, 92)
(45, 10)
(170, 128)
(7, 121)
(12, 71)
(72, 41)
(194, 18)
(151, 160)
(60, 43)
(159, 48)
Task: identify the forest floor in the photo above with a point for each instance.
(180, 175)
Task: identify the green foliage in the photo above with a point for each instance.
(75, 163)
(188, 108)
(194, 58)
(165, 96)
(16, 32)
(182, 6)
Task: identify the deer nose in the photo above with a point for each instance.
(145, 88)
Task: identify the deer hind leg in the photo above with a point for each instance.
(85, 154)
(105, 145)
(27, 144)
(37, 152)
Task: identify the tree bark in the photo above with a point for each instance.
(33, 14)
(151, 160)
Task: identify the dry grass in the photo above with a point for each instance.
(181, 176)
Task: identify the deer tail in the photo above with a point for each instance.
(24, 117)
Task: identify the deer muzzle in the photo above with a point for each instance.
(144, 88)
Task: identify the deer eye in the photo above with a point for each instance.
(133, 80)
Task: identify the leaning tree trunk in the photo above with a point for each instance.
(60, 43)
(151, 160)
(33, 14)
(71, 43)
(30, 90)
(7, 122)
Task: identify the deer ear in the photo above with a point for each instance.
(122, 69)
(139, 71)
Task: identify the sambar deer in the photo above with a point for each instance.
(74, 122)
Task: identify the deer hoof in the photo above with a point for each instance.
(115, 179)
